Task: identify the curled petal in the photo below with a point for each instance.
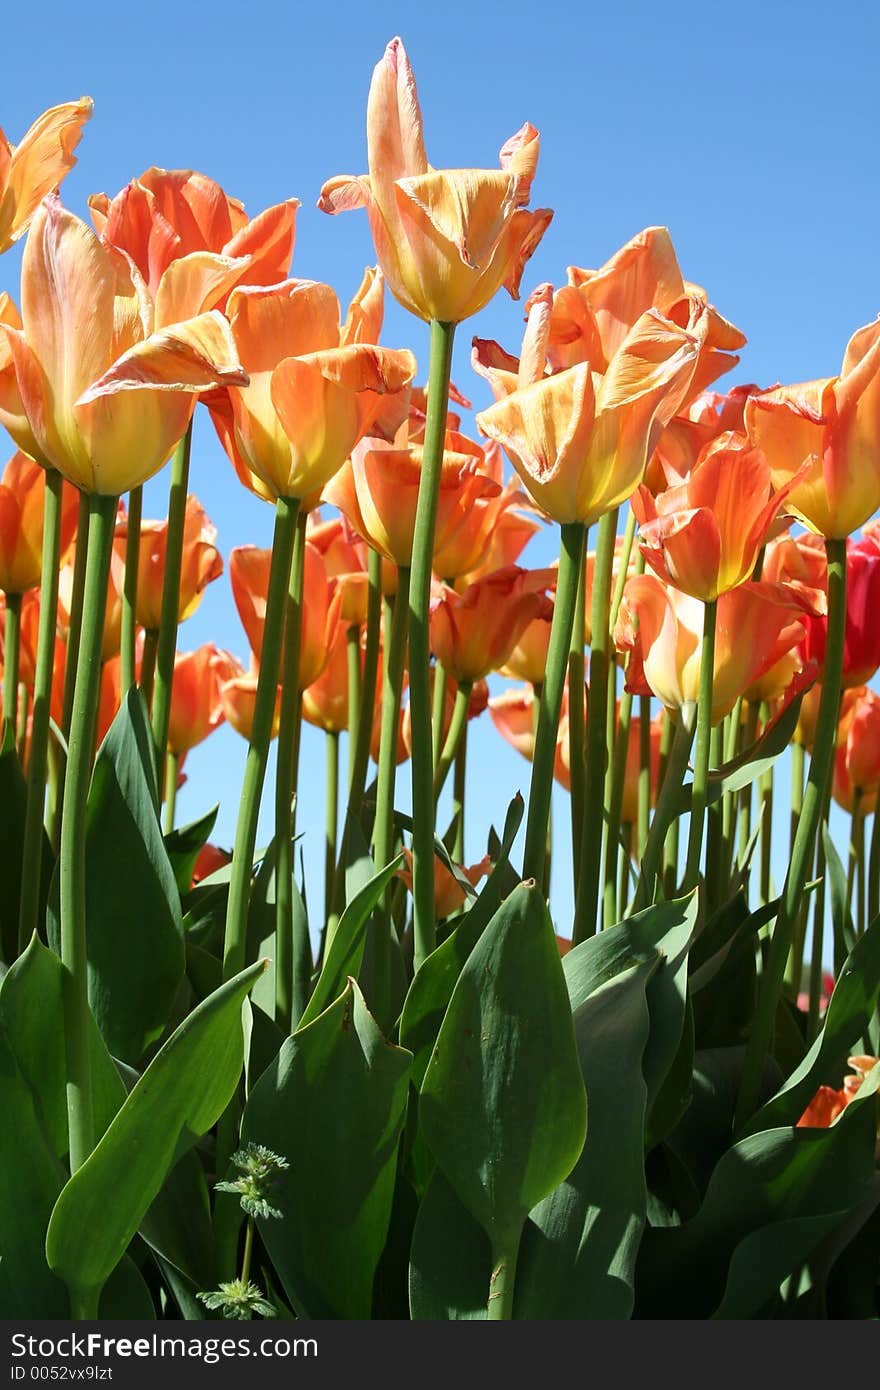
(37, 164)
(194, 356)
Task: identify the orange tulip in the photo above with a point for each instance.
(593, 314)
(474, 633)
(857, 760)
(36, 165)
(528, 659)
(828, 1103)
(377, 491)
(167, 216)
(580, 440)
(630, 807)
(833, 425)
(345, 560)
(513, 714)
(238, 696)
(402, 751)
(12, 412)
(105, 398)
(209, 859)
(113, 609)
(477, 703)
(468, 548)
(22, 492)
(590, 570)
(705, 535)
(449, 893)
(196, 704)
(447, 239)
(201, 563)
(509, 537)
(314, 387)
(28, 624)
(325, 700)
(249, 575)
(757, 625)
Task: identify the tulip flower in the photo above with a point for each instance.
(12, 412)
(168, 216)
(513, 714)
(528, 659)
(478, 701)
(238, 695)
(249, 575)
(201, 564)
(345, 561)
(209, 859)
(446, 239)
(705, 536)
(831, 425)
(37, 164)
(196, 706)
(112, 623)
(325, 699)
(22, 495)
(449, 893)
(514, 528)
(474, 633)
(829, 1102)
(857, 760)
(660, 628)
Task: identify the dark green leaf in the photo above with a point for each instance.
(451, 1259)
(183, 846)
(332, 1104)
(502, 1104)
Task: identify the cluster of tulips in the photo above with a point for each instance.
(404, 1091)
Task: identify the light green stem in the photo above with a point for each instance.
(331, 742)
(667, 805)
(576, 727)
(610, 910)
(438, 710)
(702, 749)
(503, 1279)
(459, 780)
(353, 668)
(32, 848)
(172, 767)
(439, 366)
(820, 768)
(128, 631)
(457, 726)
(74, 954)
(11, 645)
(285, 781)
(169, 613)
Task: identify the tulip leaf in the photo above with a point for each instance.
(431, 989)
(450, 1259)
(13, 803)
(345, 952)
(748, 766)
(852, 1005)
(796, 1184)
(135, 931)
(332, 1103)
(184, 1090)
(502, 1104)
(841, 921)
(579, 1246)
(184, 845)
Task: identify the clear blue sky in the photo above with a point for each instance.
(749, 129)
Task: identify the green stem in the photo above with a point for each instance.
(765, 795)
(457, 725)
(702, 748)
(353, 664)
(853, 856)
(11, 645)
(170, 610)
(32, 847)
(610, 909)
(874, 867)
(501, 1284)
(438, 710)
(795, 967)
(74, 624)
(148, 663)
(744, 828)
(626, 832)
(74, 954)
(285, 780)
(459, 781)
(667, 805)
(439, 366)
(172, 766)
(820, 767)
(331, 742)
(626, 546)
(587, 905)
(129, 590)
(248, 1252)
(234, 945)
(644, 802)
(576, 729)
(544, 756)
(21, 720)
(817, 946)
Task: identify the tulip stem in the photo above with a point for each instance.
(32, 847)
(21, 720)
(874, 868)
(128, 631)
(626, 545)
(576, 678)
(439, 367)
(610, 911)
(285, 780)
(714, 884)
(286, 510)
(667, 809)
(169, 611)
(353, 668)
(643, 813)
(148, 663)
(438, 711)
(814, 799)
(853, 855)
(172, 766)
(817, 945)
(11, 645)
(586, 910)
(74, 953)
(501, 1285)
(74, 624)
(459, 778)
(457, 726)
(331, 743)
(550, 701)
(702, 748)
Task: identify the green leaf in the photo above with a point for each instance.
(580, 1244)
(184, 1090)
(13, 803)
(794, 1184)
(841, 921)
(852, 1004)
(183, 846)
(502, 1105)
(748, 766)
(431, 989)
(450, 1260)
(333, 1105)
(135, 932)
(345, 952)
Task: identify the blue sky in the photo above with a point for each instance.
(750, 131)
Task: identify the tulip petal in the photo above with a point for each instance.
(363, 322)
(268, 240)
(345, 193)
(38, 164)
(193, 356)
(395, 139)
(468, 208)
(195, 283)
(286, 320)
